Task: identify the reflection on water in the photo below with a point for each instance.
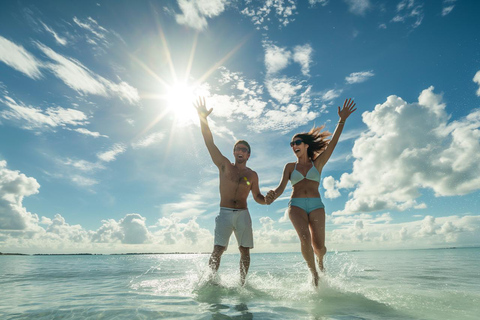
(360, 285)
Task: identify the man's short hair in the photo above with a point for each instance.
(242, 142)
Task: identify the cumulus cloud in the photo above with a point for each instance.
(358, 77)
(408, 147)
(81, 79)
(269, 237)
(111, 155)
(303, 56)
(370, 232)
(195, 12)
(35, 118)
(14, 186)
(276, 58)
(282, 89)
(288, 116)
(19, 59)
(187, 236)
(358, 7)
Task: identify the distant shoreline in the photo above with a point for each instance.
(205, 253)
(96, 254)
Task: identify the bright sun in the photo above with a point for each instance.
(180, 98)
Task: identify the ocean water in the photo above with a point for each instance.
(407, 284)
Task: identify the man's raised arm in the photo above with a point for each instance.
(217, 157)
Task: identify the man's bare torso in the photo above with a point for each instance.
(235, 185)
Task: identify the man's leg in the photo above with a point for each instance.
(214, 261)
(244, 263)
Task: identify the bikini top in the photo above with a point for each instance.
(312, 174)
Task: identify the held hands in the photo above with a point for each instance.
(270, 197)
(347, 110)
(201, 107)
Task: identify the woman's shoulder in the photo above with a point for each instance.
(290, 166)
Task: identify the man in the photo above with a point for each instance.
(236, 182)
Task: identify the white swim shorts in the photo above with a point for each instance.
(233, 220)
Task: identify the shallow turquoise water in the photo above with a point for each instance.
(410, 284)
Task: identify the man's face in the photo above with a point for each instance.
(240, 152)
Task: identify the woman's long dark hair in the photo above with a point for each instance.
(316, 139)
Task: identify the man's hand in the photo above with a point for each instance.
(201, 107)
(270, 197)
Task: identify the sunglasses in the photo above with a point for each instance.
(296, 143)
(242, 149)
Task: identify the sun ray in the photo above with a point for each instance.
(192, 55)
(222, 60)
(165, 45)
(148, 70)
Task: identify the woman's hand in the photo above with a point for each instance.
(347, 110)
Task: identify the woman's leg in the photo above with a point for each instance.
(316, 221)
(299, 220)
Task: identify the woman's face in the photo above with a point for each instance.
(298, 146)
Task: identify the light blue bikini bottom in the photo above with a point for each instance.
(306, 204)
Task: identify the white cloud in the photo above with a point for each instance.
(149, 140)
(14, 186)
(195, 12)
(358, 7)
(260, 12)
(282, 89)
(410, 146)
(97, 35)
(190, 206)
(59, 39)
(35, 118)
(112, 154)
(183, 236)
(276, 58)
(83, 165)
(129, 230)
(81, 79)
(321, 2)
(358, 77)
(476, 79)
(20, 59)
(89, 133)
(303, 55)
(408, 10)
(369, 232)
(59, 230)
(331, 94)
(330, 191)
(289, 109)
(448, 6)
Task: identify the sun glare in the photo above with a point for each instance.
(179, 99)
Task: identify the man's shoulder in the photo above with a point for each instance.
(250, 170)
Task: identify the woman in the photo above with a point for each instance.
(305, 209)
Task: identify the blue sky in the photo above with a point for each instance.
(101, 151)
